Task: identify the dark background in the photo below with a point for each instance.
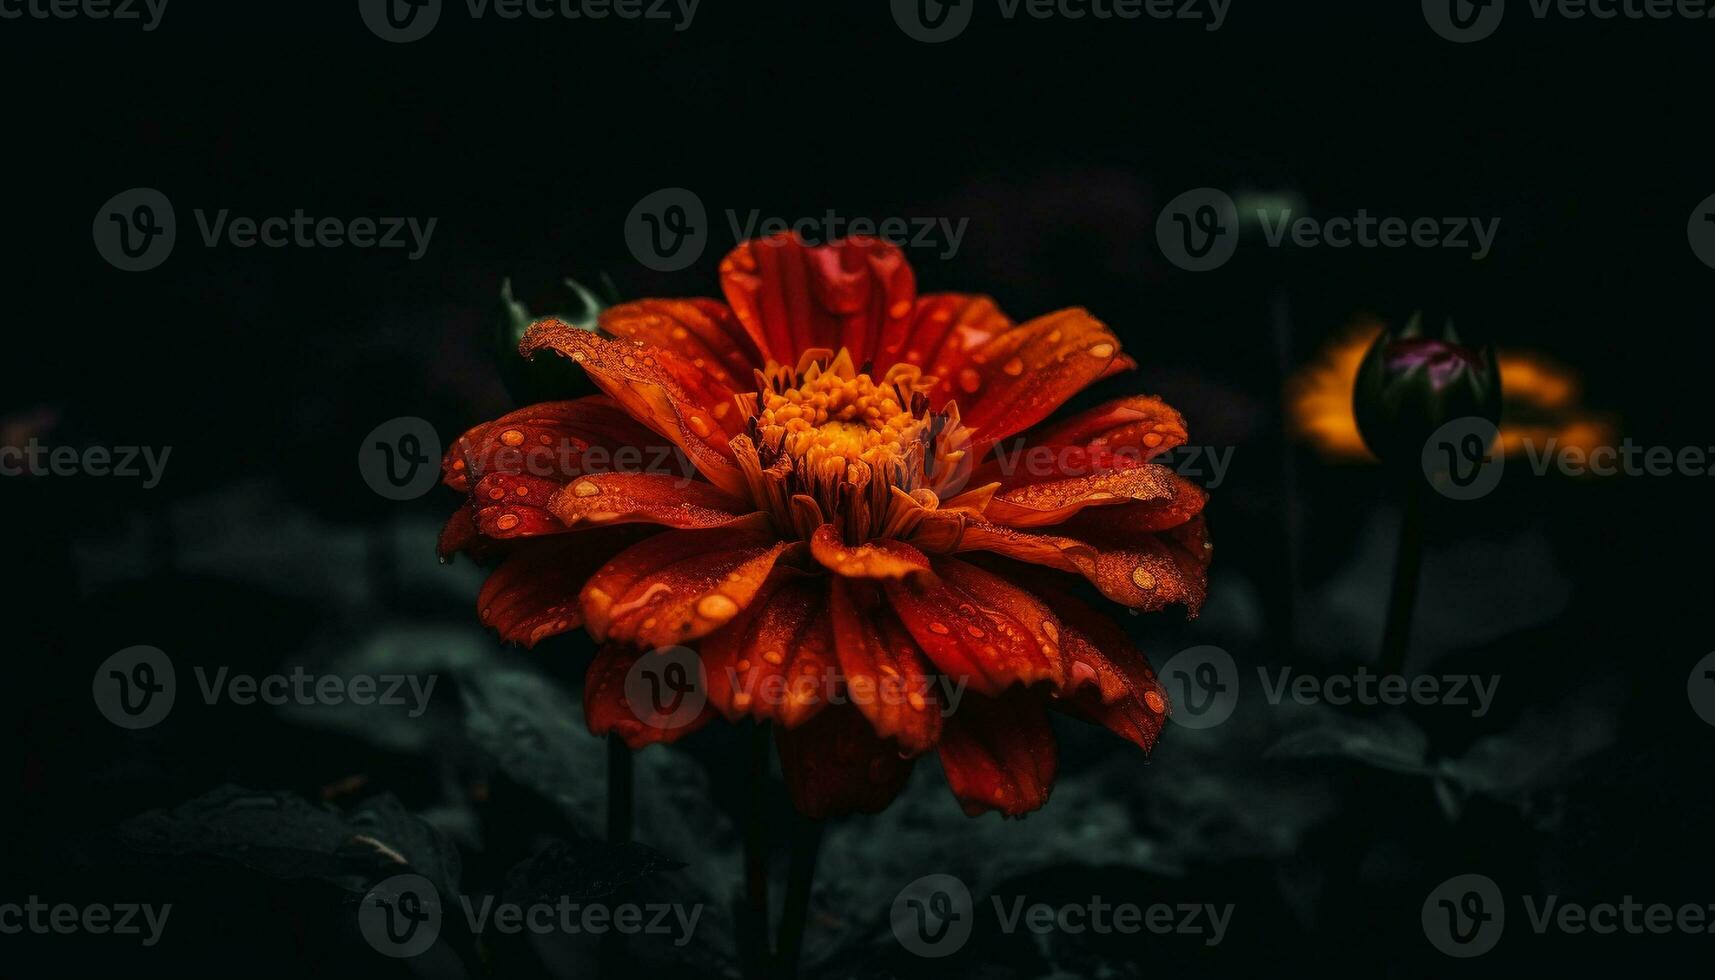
(530, 142)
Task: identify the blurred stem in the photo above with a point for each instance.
(800, 877)
(619, 790)
(1407, 570)
(756, 853)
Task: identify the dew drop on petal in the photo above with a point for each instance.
(1102, 350)
(916, 701)
(1050, 630)
(939, 629)
(774, 657)
(716, 606)
(506, 522)
(512, 437)
(1143, 578)
(1013, 368)
(1154, 701)
(970, 380)
(585, 488)
(700, 427)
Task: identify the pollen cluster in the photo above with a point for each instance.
(829, 442)
(838, 411)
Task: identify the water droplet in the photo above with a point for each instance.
(975, 632)
(970, 380)
(1102, 350)
(716, 606)
(698, 426)
(916, 701)
(1082, 673)
(740, 700)
(507, 522)
(1154, 701)
(774, 657)
(899, 309)
(585, 488)
(1143, 578)
(512, 437)
(495, 493)
(1050, 630)
(1013, 368)
(939, 629)
(1152, 439)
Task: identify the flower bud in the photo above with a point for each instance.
(1411, 384)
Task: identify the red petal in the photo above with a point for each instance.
(680, 585)
(792, 297)
(1143, 569)
(1022, 375)
(880, 558)
(1142, 424)
(703, 332)
(533, 594)
(553, 440)
(836, 764)
(617, 498)
(999, 754)
(975, 625)
(1108, 681)
(887, 676)
(608, 709)
(658, 388)
(941, 329)
(1053, 501)
(776, 660)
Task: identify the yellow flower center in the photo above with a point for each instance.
(831, 443)
(837, 411)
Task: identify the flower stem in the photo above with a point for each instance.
(755, 930)
(800, 876)
(1406, 571)
(619, 791)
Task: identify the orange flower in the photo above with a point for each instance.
(861, 555)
